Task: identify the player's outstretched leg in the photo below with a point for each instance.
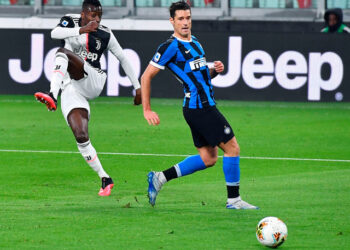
(157, 179)
(48, 99)
(155, 183)
(60, 70)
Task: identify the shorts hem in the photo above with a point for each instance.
(75, 107)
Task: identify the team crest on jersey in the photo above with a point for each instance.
(98, 44)
(64, 23)
(227, 130)
(157, 57)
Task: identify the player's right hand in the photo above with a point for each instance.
(90, 27)
(151, 117)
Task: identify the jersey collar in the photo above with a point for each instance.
(182, 40)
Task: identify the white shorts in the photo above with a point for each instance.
(75, 94)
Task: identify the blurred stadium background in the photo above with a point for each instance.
(281, 54)
(203, 9)
(257, 9)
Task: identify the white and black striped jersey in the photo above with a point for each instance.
(90, 46)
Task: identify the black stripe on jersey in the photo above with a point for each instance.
(187, 88)
(183, 50)
(66, 22)
(202, 95)
(196, 48)
(181, 65)
(205, 76)
(97, 43)
(164, 46)
(206, 79)
(197, 102)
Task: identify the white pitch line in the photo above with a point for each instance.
(172, 155)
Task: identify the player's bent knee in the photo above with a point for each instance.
(65, 53)
(64, 50)
(81, 136)
(61, 50)
(210, 161)
(231, 148)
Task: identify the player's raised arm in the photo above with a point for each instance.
(117, 51)
(217, 69)
(146, 78)
(68, 28)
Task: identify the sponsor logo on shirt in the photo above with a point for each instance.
(86, 55)
(197, 64)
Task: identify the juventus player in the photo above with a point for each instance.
(184, 56)
(77, 73)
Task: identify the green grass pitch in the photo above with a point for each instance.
(49, 199)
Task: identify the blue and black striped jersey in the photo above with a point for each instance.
(186, 60)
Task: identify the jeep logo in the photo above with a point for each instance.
(289, 63)
(86, 55)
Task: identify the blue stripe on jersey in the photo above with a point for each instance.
(187, 61)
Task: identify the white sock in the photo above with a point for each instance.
(161, 177)
(60, 69)
(233, 200)
(90, 155)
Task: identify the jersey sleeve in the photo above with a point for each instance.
(117, 51)
(114, 46)
(66, 28)
(66, 22)
(164, 54)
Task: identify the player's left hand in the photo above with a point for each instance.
(218, 66)
(137, 98)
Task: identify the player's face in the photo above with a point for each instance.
(91, 13)
(182, 23)
(332, 20)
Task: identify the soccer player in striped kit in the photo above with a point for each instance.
(78, 75)
(183, 55)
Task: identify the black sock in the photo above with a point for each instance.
(232, 191)
(170, 173)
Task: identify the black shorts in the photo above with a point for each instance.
(208, 126)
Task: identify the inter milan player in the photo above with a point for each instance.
(78, 75)
(183, 55)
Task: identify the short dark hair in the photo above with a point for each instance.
(180, 5)
(95, 3)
